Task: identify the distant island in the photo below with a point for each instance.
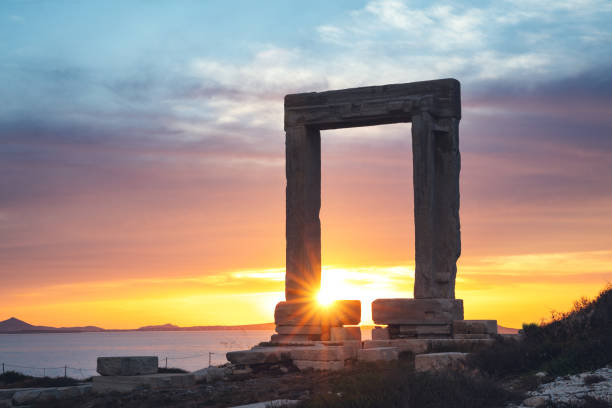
(16, 326)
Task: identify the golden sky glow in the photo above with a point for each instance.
(492, 288)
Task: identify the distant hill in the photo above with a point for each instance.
(506, 330)
(172, 327)
(14, 325)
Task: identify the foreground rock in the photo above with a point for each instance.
(46, 395)
(572, 389)
(440, 362)
(140, 365)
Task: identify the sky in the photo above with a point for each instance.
(142, 154)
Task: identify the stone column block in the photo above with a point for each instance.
(345, 333)
(303, 203)
(416, 311)
(436, 166)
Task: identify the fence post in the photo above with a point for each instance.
(44, 372)
(2, 368)
(166, 362)
(65, 368)
(209, 357)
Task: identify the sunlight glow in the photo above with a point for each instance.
(325, 298)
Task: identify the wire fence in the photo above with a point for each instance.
(67, 370)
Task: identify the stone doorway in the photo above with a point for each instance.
(434, 109)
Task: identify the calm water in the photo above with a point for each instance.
(29, 353)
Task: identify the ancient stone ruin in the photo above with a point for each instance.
(433, 319)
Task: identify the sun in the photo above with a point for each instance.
(325, 298)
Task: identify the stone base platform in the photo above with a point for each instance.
(422, 346)
(299, 321)
(328, 355)
(456, 329)
(320, 355)
(104, 384)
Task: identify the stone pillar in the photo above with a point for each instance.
(303, 203)
(436, 166)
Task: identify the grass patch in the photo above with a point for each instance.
(571, 342)
(396, 384)
(13, 379)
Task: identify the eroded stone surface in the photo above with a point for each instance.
(133, 365)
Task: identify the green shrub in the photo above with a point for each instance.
(11, 377)
(576, 341)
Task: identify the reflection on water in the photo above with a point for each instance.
(48, 353)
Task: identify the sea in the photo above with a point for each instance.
(53, 354)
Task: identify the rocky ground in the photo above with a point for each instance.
(224, 387)
(232, 391)
(575, 389)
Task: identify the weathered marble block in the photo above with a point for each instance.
(297, 313)
(416, 311)
(137, 365)
(345, 333)
(380, 333)
(424, 331)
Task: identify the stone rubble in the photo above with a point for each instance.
(571, 389)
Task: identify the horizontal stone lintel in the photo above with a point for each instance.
(373, 105)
